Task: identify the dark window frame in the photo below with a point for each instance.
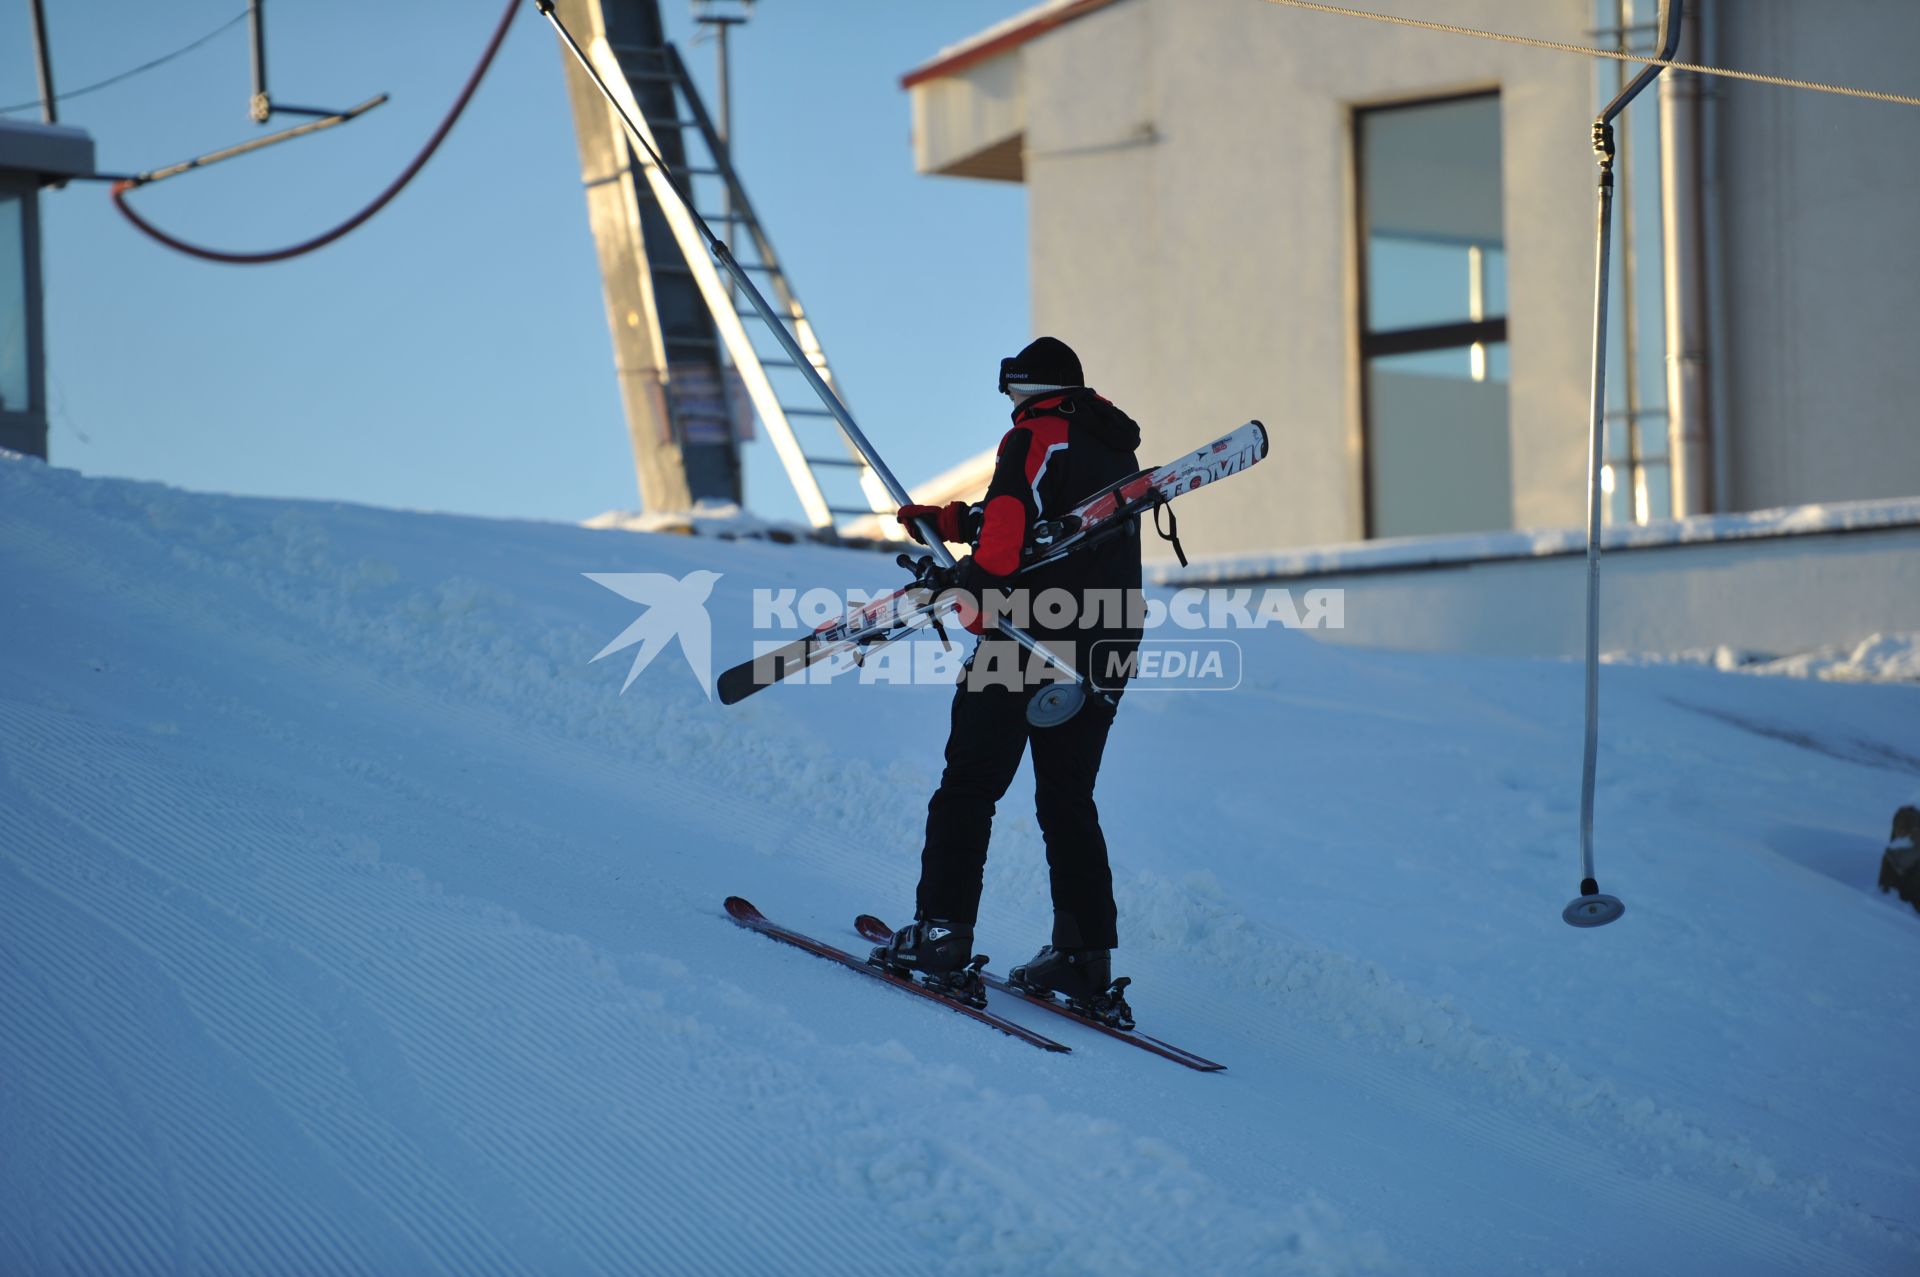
(1398, 341)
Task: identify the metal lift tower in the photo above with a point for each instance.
(688, 354)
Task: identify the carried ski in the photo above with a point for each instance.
(1109, 510)
(1106, 513)
(871, 928)
(743, 912)
(860, 630)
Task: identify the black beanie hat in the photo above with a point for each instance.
(1046, 361)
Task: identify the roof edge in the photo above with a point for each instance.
(54, 152)
(967, 54)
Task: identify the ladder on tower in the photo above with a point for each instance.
(832, 479)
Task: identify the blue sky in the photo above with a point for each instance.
(453, 353)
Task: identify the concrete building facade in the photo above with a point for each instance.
(1380, 242)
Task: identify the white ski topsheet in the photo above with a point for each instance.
(901, 610)
(351, 921)
(1228, 455)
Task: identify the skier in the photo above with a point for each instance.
(1066, 444)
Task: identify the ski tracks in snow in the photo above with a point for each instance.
(269, 1054)
(1641, 1179)
(263, 1009)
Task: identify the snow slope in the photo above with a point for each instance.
(351, 921)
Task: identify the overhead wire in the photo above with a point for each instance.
(144, 67)
(1534, 42)
(380, 201)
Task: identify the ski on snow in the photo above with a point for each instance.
(743, 912)
(871, 928)
(1110, 511)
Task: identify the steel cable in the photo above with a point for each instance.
(380, 201)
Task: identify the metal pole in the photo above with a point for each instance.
(1071, 696)
(720, 26)
(227, 153)
(259, 106)
(1591, 908)
(43, 63)
(1627, 186)
(1713, 262)
(1596, 463)
(1684, 288)
(726, 122)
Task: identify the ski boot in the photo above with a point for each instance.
(942, 954)
(1083, 977)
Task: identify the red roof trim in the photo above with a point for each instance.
(974, 54)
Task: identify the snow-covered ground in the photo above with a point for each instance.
(1878, 658)
(1540, 543)
(351, 921)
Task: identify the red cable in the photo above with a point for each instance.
(320, 241)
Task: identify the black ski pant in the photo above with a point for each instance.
(984, 745)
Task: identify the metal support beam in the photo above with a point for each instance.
(43, 63)
(259, 105)
(1683, 277)
(641, 279)
(686, 232)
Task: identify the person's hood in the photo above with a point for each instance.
(1089, 411)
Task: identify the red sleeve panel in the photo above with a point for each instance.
(1002, 537)
(1013, 498)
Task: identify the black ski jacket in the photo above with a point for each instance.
(1063, 448)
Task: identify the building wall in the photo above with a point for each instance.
(1777, 597)
(950, 116)
(1190, 169)
(1193, 234)
(1820, 209)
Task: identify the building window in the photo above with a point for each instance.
(14, 378)
(1433, 317)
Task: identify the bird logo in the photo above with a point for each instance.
(675, 609)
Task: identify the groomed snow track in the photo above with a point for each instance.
(350, 921)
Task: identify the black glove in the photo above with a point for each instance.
(929, 575)
(971, 580)
(964, 576)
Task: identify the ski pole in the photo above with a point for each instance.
(1053, 704)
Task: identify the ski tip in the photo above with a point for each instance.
(742, 910)
(763, 671)
(871, 928)
(1264, 440)
(736, 684)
